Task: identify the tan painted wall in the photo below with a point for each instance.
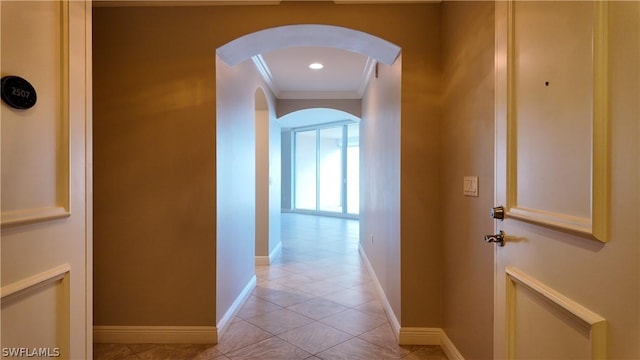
(380, 179)
(420, 227)
(275, 183)
(155, 100)
(467, 139)
(154, 164)
(268, 184)
(236, 180)
(287, 106)
(262, 182)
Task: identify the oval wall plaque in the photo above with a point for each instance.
(18, 92)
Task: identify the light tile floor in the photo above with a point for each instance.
(316, 301)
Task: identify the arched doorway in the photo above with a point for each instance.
(321, 168)
(236, 81)
(268, 186)
(245, 47)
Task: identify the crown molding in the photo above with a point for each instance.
(264, 71)
(366, 75)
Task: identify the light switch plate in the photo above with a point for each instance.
(470, 186)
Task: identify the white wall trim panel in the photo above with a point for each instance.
(596, 225)
(224, 323)
(155, 334)
(596, 323)
(268, 260)
(395, 324)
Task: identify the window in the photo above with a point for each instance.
(326, 169)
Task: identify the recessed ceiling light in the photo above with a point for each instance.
(316, 66)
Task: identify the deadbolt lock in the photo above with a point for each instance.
(497, 212)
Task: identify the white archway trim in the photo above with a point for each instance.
(245, 47)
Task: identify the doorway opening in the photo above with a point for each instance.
(237, 184)
(322, 161)
(267, 176)
(326, 169)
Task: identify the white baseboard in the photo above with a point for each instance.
(155, 334)
(172, 334)
(419, 336)
(430, 336)
(411, 335)
(224, 323)
(395, 324)
(262, 261)
(268, 260)
(449, 348)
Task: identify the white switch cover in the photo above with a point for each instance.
(470, 186)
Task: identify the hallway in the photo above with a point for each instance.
(316, 301)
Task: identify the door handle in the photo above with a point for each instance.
(496, 238)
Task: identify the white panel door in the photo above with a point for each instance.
(45, 243)
(571, 210)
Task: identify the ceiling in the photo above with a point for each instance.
(344, 76)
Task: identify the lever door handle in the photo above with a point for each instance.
(496, 238)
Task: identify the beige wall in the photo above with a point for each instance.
(287, 106)
(420, 227)
(275, 183)
(262, 182)
(467, 149)
(380, 180)
(268, 184)
(286, 150)
(154, 168)
(155, 175)
(154, 136)
(236, 180)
